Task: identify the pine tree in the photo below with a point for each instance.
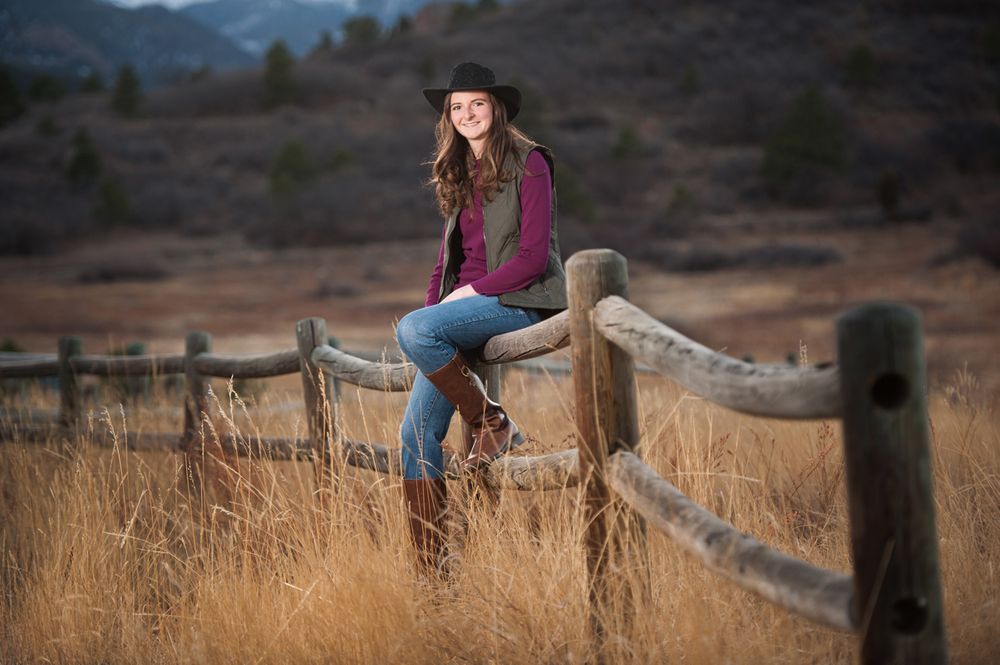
(361, 31)
(84, 162)
(93, 83)
(861, 67)
(47, 127)
(11, 104)
(292, 167)
(325, 45)
(810, 142)
(279, 84)
(404, 26)
(127, 95)
(46, 88)
(112, 207)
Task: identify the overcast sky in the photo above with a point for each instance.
(168, 3)
(174, 4)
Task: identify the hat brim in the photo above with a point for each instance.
(508, 94)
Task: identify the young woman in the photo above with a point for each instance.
(498, 270)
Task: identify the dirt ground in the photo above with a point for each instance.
(156, 288)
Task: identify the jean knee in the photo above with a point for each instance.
(417, 333)
(410, 332)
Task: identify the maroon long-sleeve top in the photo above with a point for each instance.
(528, 263)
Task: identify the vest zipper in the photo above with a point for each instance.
(486, 244)
(446, 257)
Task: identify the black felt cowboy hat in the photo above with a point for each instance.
(470, 76)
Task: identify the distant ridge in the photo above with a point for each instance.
(71, 38)
(671, 124)
(255, 24)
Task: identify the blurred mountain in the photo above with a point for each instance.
(670, 121)
(255, 24)
(72, 38)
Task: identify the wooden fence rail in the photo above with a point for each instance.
(893, 599)
(29, 369)
(128, 365)
(392, 377)
(248, 367)
(821, 595)
(779, 391)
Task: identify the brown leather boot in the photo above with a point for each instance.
(493, 432)
(426, 507)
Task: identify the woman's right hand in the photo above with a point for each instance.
(465, 292)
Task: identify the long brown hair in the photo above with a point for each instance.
(451, 172)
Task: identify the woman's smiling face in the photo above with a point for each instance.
(471, 114)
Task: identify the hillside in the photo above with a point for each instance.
(673, 124)
(69, 38)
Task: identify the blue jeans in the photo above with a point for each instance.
(430, 338)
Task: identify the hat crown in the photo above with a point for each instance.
(471, 75)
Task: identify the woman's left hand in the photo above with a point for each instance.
(465, 292)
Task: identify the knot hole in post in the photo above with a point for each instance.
(890, 390)
(909, 615)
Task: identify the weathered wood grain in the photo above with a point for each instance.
(554, 471)
(26, 428)
(259, 366)
(24, 369)
(764, 390)
(536, 340)
(28, 416)
(607, 420)
(817, 594)
(137, 441)
(69, 394)
(195, 406)
(372, 456)
(319, 397)
(196, 400)
(273, 448)
(889, 487)
(144, 365)
(392, 377)
(531, 342)
(11, 356)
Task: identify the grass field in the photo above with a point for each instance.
(108, 558)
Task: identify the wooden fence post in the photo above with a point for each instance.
(886, 452)
(195, 404)
(607, 421)
(137, 386)
(334, 381)
(319, 396)
(69, 394)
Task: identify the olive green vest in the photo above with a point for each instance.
(502, 228)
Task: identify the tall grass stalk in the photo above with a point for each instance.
(109, 557)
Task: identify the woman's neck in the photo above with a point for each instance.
(477, 147)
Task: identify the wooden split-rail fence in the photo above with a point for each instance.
(892, 602)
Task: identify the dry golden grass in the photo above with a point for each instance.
(108, 558)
